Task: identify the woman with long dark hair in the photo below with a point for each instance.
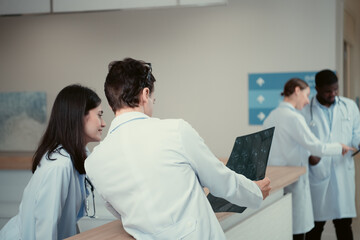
(54, 199)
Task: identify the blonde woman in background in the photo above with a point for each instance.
(292, 145)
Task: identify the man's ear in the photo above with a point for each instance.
(145, 95)
(317, 88)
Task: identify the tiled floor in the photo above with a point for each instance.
(329, 232)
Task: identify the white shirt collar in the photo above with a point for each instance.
(125, 117)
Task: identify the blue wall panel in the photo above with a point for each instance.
(265, 90)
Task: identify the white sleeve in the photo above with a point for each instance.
(303, 135)
(213, 174)
(111, 209)
(356, 125)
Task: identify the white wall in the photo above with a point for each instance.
(201, 56)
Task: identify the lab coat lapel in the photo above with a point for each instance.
(335, 120)
(323, 129)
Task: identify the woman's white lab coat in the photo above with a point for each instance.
(292, 144)
(52, 202)
(332, 180)
(152, 172)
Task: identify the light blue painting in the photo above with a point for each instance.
(22, 120)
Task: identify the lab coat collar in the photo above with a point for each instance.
(330, 111)
(287, 105)
(63, 152)
(125, 117)
(317, 103)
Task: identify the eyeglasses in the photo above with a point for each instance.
(90, 186)
(111, 64)
(148, 76)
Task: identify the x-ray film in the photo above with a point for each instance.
(249, 157)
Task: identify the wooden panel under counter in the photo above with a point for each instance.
(280, 177)
(16, 160)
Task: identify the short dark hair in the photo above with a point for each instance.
(325, 77)
(66, 125)
(125, 81)
(291, 84)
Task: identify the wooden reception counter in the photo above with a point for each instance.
(276, 206)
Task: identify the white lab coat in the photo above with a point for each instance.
(292, 144)
(152, 172)
(52, 202)
(332, 180)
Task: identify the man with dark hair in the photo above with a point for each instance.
(332, 179)
(151, 172)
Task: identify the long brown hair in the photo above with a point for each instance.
(66, 126)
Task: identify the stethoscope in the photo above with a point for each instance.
(312, 122)
(87, 208)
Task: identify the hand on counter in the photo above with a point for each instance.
(264, 186)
